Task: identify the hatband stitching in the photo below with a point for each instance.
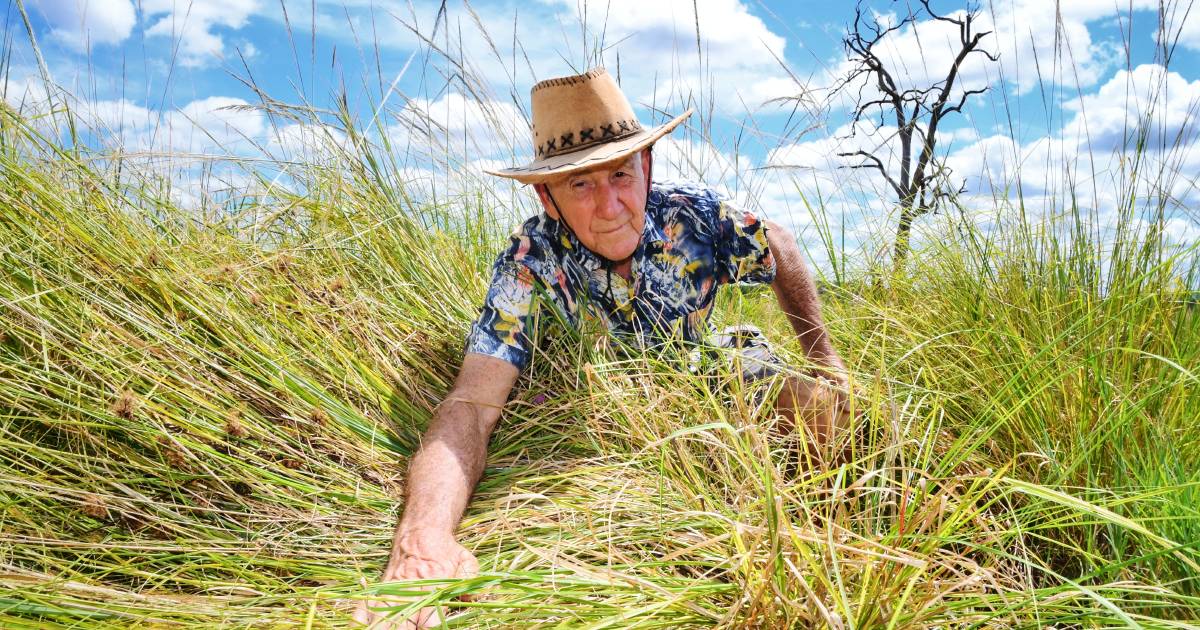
(632, 126)
(571, 80)
(661, 131)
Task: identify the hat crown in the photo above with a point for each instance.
(580, 111)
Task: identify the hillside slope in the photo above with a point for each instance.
(206, 421)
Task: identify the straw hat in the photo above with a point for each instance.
(580, 122)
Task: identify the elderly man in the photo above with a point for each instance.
(645, 258)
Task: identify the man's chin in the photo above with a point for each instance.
(618, 253)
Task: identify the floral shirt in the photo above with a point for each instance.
(693, 242)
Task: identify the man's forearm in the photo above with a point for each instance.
(444, 471)
(797, 295)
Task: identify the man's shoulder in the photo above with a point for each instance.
(532, 244)
(688, 202)
(538, 226)
(686, 192)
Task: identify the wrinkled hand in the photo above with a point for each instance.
(819, 406)
(845, 400)
(834, 381)
(838, 393)
(417, 557)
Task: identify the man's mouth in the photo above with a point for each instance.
(609, 231)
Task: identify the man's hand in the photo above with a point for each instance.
(417, 557)
(440, 478)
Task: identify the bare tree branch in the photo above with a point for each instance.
(963, 100)
(875, 163)
(919, 179)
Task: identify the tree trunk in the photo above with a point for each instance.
(900, 254)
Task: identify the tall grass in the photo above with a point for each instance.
(206, 419)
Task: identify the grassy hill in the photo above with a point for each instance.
(206, 420)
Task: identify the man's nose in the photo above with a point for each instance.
(608, 202)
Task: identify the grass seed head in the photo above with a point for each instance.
(94, 506)
(125, 405)
(175, 458)
(233, 425)
(282, 263)
(318, 416)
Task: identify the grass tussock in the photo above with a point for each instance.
(207, 422)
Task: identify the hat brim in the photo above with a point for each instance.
(550, 168)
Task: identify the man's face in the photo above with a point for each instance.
(605, 207)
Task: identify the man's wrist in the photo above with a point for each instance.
(412, 539)
(833, 369)
(417, 541)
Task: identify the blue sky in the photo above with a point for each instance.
(1073, 78)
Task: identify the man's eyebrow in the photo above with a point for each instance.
(627, 164)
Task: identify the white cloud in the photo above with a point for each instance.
(1183, 22)
(1181, 230)
(652, 44)
(1094, 160)
(655, 43)
(469, 179)
(1096, 152)
(1102, 132)
(463, 125)
(216, 122)
(730, 36)
(820, 160)
(81, 24)
(115, 118)
(308, 142)
(193, 25)
(919, 54)
(26, 92)
(681, 158)
(206, 189)
(823, 196)
(1163, 102)
(193, 152)
(784, 196)
(1037, 41)
(218, 125)
(1091, 161)
(992, 163)
(956, 137)
(661, 63)
(1053, 39)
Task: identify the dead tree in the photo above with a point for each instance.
(919, 181)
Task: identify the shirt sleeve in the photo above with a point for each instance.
(742, 252)
(505, 327)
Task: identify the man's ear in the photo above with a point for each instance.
(543, 193)
(647, 162)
